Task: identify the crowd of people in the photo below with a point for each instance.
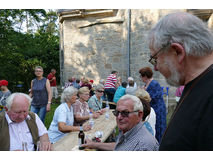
(181, 50)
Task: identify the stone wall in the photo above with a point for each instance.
(95, 42)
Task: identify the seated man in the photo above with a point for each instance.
(20, 129)
(133, 135)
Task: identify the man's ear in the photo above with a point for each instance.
(140, 114)
(180, 51)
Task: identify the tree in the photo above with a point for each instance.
(21, 51)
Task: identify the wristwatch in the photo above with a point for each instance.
(49, 102)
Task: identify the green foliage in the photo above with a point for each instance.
(21, 51)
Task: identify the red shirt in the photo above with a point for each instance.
(53, 82)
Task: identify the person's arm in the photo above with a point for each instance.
(99, 145)
(64, 128)
(45, 143)
(49, 95)
(31, 89)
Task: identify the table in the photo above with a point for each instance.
(70, 141)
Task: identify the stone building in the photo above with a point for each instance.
(93, 42)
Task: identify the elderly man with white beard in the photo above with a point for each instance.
(181, 49)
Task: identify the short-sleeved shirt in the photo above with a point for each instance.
(81, 109)
(53, 82)
(136, 139)
(19, 132)
(94, 103)
(62, 114)
(110, 81)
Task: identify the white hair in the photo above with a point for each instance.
(9, 100)
(68, 93)
(137, 102)
(185, 29)
(130, 79)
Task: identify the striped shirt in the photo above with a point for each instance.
(136, 139)
(110, 81)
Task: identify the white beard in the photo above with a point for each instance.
(174, 79)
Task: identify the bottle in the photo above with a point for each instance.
(107, 110)
(91, 121)
(81, 136)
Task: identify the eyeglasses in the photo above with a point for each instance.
(100, 91)
(152, 59)
(38, 71)
(123, 113)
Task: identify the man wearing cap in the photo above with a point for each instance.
(4, 93)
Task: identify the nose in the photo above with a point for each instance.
(119, 116)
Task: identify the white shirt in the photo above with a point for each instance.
(151, 118)
(19, 132)
(62, 114)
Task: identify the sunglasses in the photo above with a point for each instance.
(100, 91)
(123, 113)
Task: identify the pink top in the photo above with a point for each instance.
(81, 109)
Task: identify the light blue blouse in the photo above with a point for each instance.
(62, 114)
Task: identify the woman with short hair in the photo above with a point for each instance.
(40, 93)
(95, 102)
(157, 103)
(81, 108)
(63, 119)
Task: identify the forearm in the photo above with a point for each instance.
(66, 129)
(79, 118)
(106, 146)
(100, 146)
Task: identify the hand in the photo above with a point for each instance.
(89, 144)
(48, 107)
(96, 115)
(86, 127)
(45, 146)
(99, 112)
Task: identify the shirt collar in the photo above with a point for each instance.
(132, 131)
(9, 121)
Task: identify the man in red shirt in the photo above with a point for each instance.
(52, 79)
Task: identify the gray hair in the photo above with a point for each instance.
(99, 86)
(102, 81)
(68, 93)
(130, 79)
(9, 100)
(183, 28)
(137, 102)
(38, 67)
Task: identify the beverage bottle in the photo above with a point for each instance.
(107, 110)
(91, 121)
(81, 136)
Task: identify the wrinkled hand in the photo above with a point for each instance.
(45, 146)
(96, 115)
(89, 144)
(86, 127)
(48, 107)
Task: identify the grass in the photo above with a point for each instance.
(49, 115)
